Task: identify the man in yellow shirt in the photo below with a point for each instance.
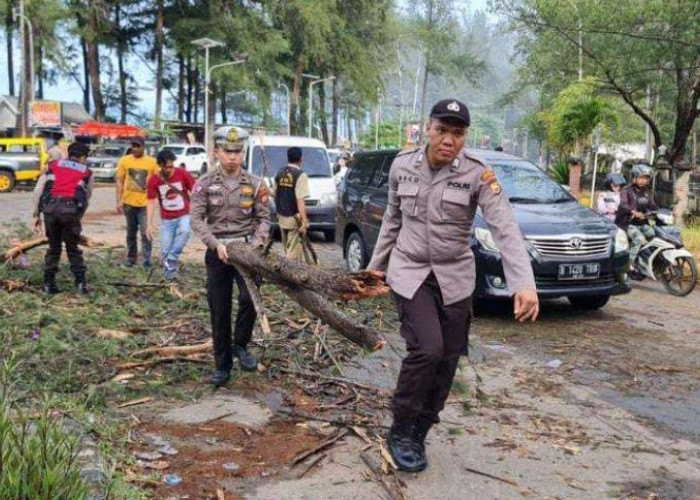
(133, 172)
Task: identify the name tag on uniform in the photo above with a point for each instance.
(215, 188)
(413, 179)
(459, 185)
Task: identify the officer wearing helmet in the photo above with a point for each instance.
(636, 201)
(608, 201)
(229, 204)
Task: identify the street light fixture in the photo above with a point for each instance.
(311, 97)
(206, 44)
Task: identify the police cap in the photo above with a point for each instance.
(230, 137)
(451, 108)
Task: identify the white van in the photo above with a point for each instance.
(191, 157)
(321, 205)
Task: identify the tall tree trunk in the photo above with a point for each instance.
(211, 115)
(86, 69)
(9, 24)
(322, 112)
(180, 87)
(195, 98)
(336, 109)
(426, 74)
(160, 41)
(190, 87)
(39, 70)
(223, 110)
(294, 122)
(121, 49)
(94, 62)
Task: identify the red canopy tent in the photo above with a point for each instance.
(109, 130)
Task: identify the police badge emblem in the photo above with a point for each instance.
(232, 135)
(453, 106)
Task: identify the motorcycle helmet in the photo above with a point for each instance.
(641, 170)
(614, 178)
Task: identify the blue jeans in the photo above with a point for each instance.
(174, 234)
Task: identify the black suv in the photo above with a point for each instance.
(575, 252)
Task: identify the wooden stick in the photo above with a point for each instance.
(311, 464)
(338, 380)
(301, 457)
(22, 247)
(254, 292)
(318, 335)
(491, 476)
(394, 491)
(157, 361)
(336, 421)
(175, 350)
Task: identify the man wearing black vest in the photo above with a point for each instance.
(292, 188)
(62, 195)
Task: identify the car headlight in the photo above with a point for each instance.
(329, 198)
(108, 164)
(622, 243)
(485, 237)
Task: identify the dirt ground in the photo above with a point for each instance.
(583, 405)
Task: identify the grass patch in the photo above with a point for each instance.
(691, 238)
(460, 387)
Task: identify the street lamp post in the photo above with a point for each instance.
(206, 44)
(289, 107)
(311, 97)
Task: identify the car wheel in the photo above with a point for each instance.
(7, 181)
(204, 169)
(355, 253)
(589, 303)
(329, 234)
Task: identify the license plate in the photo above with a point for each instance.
(579, 271)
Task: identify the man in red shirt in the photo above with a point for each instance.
(170, 188)
(62, 194)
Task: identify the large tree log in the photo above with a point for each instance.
(332, 284)
(315, 289)
(318, 305)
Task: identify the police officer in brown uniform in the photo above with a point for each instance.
(228, 204)
(424, 255)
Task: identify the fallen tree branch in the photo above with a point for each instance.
(394, 490)
(157, 361)
(319, 306)
(23, 246)
(325, 444)
(254, 292)
(175, 350)
(333, 285)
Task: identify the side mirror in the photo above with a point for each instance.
(336, 168)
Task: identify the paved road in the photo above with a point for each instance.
(103, 223)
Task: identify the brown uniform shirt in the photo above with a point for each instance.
(222, 207)
(428, 221)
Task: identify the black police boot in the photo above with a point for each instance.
(420, 431)
(81, 285)
(402, 446)
(50, 287)
(248, 361)
(220, 378)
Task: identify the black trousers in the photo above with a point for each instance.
(135, 225)
(62, 224)
(220, 279)
(435, 336)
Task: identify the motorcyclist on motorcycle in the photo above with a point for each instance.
(636, 201)
(608, 201)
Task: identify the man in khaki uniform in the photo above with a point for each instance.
(423, 253)
(291, 191)
(229, 204)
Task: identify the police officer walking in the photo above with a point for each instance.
(291, 191)
(228, 204)
(424, 255)
(62, 195)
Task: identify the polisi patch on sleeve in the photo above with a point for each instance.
(197, 188)
(487, 176)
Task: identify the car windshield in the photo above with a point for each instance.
(176, 151)
(314, 161)
(523, 182)
(115, 151)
